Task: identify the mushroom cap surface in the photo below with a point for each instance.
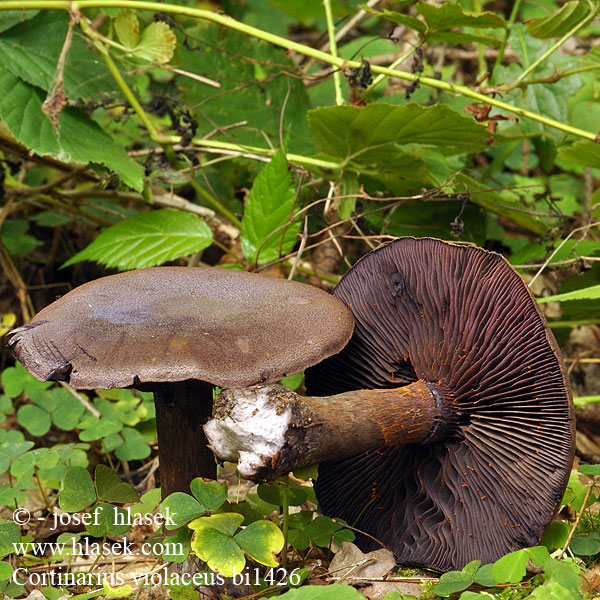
(165, 324)
(461, 318)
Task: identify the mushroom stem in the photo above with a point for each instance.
(270, 430)
(182, 408)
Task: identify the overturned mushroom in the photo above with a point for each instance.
(177, 332)
(447, 431)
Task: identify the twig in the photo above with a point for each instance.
(81, 399)
(579, 515)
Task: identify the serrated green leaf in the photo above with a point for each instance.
(511, 568)
(451, 14)
(157, 44)
(560, 22)
(590, 293)
(396, 17)
(33, 57)
(268, 208)
(111, 488)
(127, 28)
(582, 153)
(260, 541)
(306, 10)
(79, 138)
(147, 239)
(78, 490)
(349, 131)
(240, 98)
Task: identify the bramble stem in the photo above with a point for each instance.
(296, 47)
(337, 75)
(536, 63)
(513, 15)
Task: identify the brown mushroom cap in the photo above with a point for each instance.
(167, 324)
(461, 318)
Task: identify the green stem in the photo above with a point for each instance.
(294, 46)
(481, 64)
(554, 78)
(511, 20)
(285, 514)
(397, 62)
(536, 63)
(218, 206)
(337, 74)
(290, 156)
(114, 71)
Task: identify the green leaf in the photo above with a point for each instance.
(212, 542)
(271, 493)
(79, 139)
(78, 490)
(538, 555)
(157, 44)
(135, 447)
(396, 17)
(93, 428)
(9, 535)
(13, 380)
(560, 22)
(307, 10)
(511, 568)
(584, 545)
(349, 131)
(484, 576)
(108, 520)
(590, 293)
(451, 583)
(564, 573)
(229, 57)
(582, 153)
(211, 494)
(6, 571)
(227, 523)
(181, 508)
(34, 419)
(127, 28)
(111, 488)
(33, 57)
(337, 591)
(556, 535)
(260, 541)
(268, 208)
(450, 15)
(147, 239)
(17, 241)
(591, 470)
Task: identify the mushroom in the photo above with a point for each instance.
(446, 429)
(177, 332)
